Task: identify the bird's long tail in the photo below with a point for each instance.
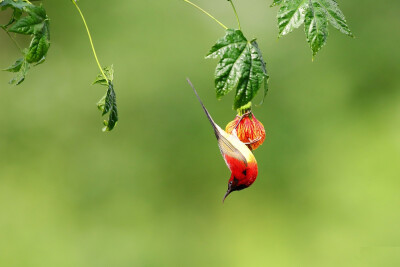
(213, 124)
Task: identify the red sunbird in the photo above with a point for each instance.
(238, 157)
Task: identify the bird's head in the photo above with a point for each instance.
(236, 184)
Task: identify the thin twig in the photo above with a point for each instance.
(205, 12)
(91, 41)
(237, 17)
(12, 38)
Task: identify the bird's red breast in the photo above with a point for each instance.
(246, 175)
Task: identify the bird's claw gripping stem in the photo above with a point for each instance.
(241, 118)
(253, 141)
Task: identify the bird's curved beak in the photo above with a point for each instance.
(227, 193)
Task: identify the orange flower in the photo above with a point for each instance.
(248, 129)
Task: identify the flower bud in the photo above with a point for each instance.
(248, 129)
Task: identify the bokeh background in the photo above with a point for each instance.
(149, 193)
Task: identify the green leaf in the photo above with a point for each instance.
(241, 67)
(266, 78)
(16, 67)
(38, 48)
(316, 14)
(110, 106)
(21, 68)
(108, 103)
(34, 23)
(102, 103)
(257, 74)
(109, 72)
(27, 25)
(17, 4)
(291, 15)
(228, 48)
(36, 11)
(16, 15)
(316, 27)
(335, 16)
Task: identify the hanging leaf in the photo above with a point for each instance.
(35, 24)
(291, 15)
(38, 49)
(108, 103)
(241, 67)
(316, 15)
(16, 66)
(316, 27)
(335, 16)
(109, 72)
(21, 67)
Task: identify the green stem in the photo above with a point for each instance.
(15, 41)
(208, 14)
(244, 109)
(91, 41)
(237, 17)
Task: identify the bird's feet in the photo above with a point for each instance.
(241, 118)
(253, 141)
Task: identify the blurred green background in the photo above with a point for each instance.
(149, 193)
